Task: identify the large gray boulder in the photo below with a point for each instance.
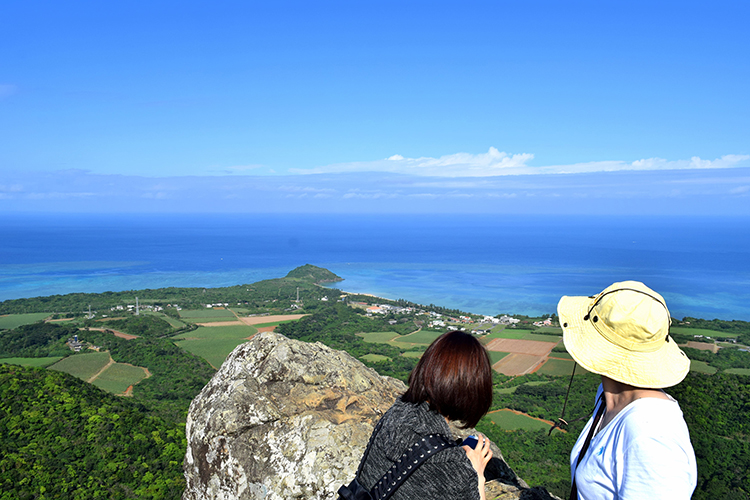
(284, 419)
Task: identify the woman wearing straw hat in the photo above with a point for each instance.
(636, 445)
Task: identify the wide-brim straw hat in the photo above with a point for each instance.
(623, 334)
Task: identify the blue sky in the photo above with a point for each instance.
(508, 107)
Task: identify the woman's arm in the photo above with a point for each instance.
(479, 457)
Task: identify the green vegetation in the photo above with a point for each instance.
(37, 340)
(198, 315)
(15, 320)
(424, 337)
(62, 438)
(133, 447)
(702, 367)
(83, 366)
(214, 343)
(379, 337)
(496, 356)
(559, 368)
(118, 377)
(144, 325)
(510, 421)
(313, 274)
(375, 358)
(38, 362)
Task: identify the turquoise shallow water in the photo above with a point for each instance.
(481, 264)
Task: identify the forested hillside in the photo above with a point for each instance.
(62, 438)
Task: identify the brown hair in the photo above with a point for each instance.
(454, 376)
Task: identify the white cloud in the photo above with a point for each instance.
(740, 190)
(491, 163)
(496, 163)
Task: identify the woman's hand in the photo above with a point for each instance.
(479, 457)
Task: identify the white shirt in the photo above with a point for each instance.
(643, 453)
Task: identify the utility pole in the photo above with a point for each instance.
(136, 306)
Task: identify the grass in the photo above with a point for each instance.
(39, 362)
(686, 330)
(413, 354)
(118, 377)
(374, 358)
(510, 421)
(555, 330)
(83, 366)
(12, 321)
(738, 371)
(496, 356)
(214, 343)
(540, 338)
(423, 337)
(701, 367)
(559, 368)
(378, 337)
(561, 355)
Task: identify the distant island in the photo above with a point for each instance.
(119, 370)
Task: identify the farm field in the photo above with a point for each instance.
(496, 356)
(83, 366)
(422, 337)
(510, 420)
(39, 362)
(536, 348)
(517, 364)
(559, 368)
(271, 319)
(374, 358)
(214, 343)
(504, 333)
(15, 320)
(560, 355)
(540, 338)
(413, 354)
(207, 315)
(686, 330)
(379, 337)
(701, 367)
(118, 377)
(556, 330)
(738, 371)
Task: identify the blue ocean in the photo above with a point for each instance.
(482, 264)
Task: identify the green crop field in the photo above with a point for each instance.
(738, 371)
(15, 320)
(374, 358)
(686, 330)
(83, 366)
(214, 343)
(555, 330)
(118, 377)
(413, 354)
(424, 337)
(379, 337)
(511, 390)
(510, 421)
(496, 356)
(540, 338)
(561, 355)
(31, 361)
(506, 333)
(701, 367)
(559, 368)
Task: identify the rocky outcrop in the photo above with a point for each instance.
(284, 419)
